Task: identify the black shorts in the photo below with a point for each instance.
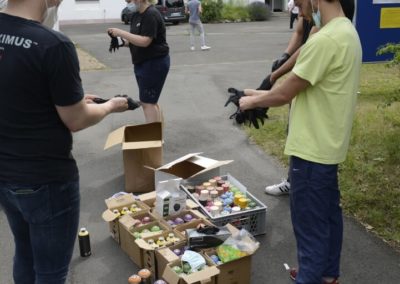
(150, 76)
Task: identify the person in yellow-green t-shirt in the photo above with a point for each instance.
(323, 91)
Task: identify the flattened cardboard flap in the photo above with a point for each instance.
(115, 137)
(120, 201)
(207, 163)
(191, 165)
(136, 134)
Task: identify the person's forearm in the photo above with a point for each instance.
(91, 114)
(138, 40)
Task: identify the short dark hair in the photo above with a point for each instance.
(348, 8)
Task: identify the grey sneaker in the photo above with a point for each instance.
(278, 189)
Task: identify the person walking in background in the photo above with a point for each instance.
(39, 179)
(294, 12)
(147, 42)
(194, 9)
(323, 91)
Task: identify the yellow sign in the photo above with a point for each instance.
(390, 18)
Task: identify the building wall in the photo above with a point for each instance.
(98, 10)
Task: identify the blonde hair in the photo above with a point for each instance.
(153, 2)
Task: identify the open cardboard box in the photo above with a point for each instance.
(148, 253)
(237, 271)
(192, 225)
(205, 276)
(118, 203)
(166, 255)
(128, 244)
(191, 168)
(141, 146)
(195, 214)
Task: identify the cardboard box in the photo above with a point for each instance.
(195, 214)
(191, 167)
(207, 275)
(127, 239)
(234, 272)
(118, 203)
(192, 225)
(141, 146)
(165, 256)
(148, 253)
(237, 271)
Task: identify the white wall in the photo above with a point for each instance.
(101, 10)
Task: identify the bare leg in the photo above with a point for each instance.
(151, 112)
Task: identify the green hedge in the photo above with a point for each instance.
(234, 10)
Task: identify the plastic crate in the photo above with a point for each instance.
(253, 220)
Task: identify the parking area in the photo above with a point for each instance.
(196, 121)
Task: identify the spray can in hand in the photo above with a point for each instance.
(84, 242)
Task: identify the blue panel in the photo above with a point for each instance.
(371, 35)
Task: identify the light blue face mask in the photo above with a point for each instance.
(132, 7)
(316, 16)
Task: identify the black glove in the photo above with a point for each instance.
(115, 43)
(235, 97)
(266, 84)
(280, 61)
(251, 115)
(132, 104)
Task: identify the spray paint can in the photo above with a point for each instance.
(84, 242)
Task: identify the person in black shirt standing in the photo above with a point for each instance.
(150, 55)
(42, 102)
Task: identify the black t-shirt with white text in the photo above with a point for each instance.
(39, 69)
(150, 24)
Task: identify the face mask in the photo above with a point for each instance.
(50, 16)
(132, 7)
(316, 16)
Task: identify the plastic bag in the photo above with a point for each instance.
(236, 246)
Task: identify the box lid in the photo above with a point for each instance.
(203, 276)
(191, 165)
(136, 136)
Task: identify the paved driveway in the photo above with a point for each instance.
(196, 121)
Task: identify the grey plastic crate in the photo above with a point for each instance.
(253, 220)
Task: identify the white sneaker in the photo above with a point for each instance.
(192, 48)
(205, 47)
(278, 189)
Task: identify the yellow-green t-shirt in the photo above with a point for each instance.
(321, 116)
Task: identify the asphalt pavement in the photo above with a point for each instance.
(196, 121)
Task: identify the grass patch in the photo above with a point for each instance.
(368, 178)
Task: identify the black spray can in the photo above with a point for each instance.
(84, 242)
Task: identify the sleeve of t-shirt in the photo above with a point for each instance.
(62, 68)
(149, 26)
(315, 59)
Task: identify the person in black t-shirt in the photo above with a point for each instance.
(42, 102)
(149, 53)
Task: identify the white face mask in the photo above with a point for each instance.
(316, 16)
(50, 16)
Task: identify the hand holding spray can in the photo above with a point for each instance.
(84, 242)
